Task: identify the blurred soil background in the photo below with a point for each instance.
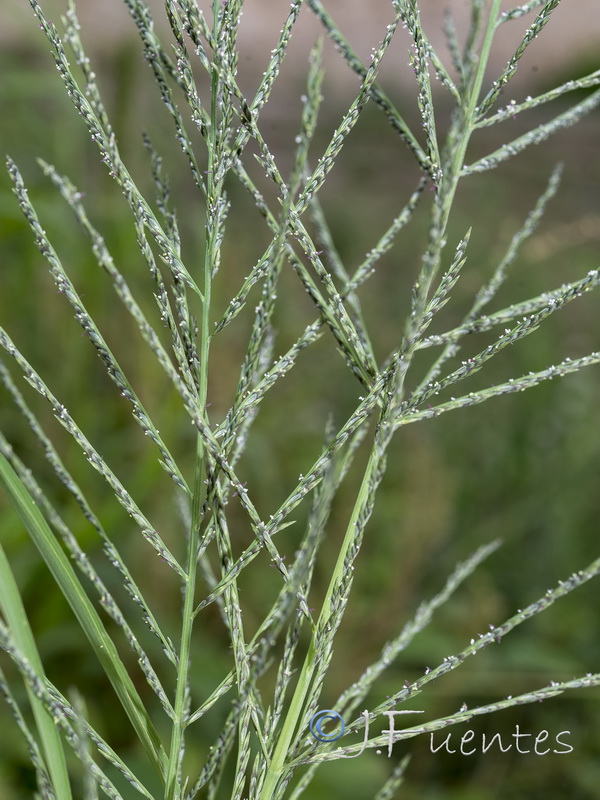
(522, 468)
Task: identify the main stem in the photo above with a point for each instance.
(173, 790)
(456, 144)
(461, 134)
(276, 766)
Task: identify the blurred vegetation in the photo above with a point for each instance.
(523, 468)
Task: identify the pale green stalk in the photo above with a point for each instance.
(173, 787)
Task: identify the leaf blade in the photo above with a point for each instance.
(88, 617)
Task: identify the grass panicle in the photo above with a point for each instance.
(278, 665)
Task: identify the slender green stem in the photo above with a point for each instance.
(277, 766)
(458, 141)
(456, 148)
(173, 791)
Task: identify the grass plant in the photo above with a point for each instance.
(278, 666)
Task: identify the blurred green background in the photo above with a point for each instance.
(523, 468)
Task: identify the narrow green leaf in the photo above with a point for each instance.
(88, 617)
(14, 614)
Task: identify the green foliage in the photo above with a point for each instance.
(248, 575)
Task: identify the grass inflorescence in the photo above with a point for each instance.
(278, 668)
